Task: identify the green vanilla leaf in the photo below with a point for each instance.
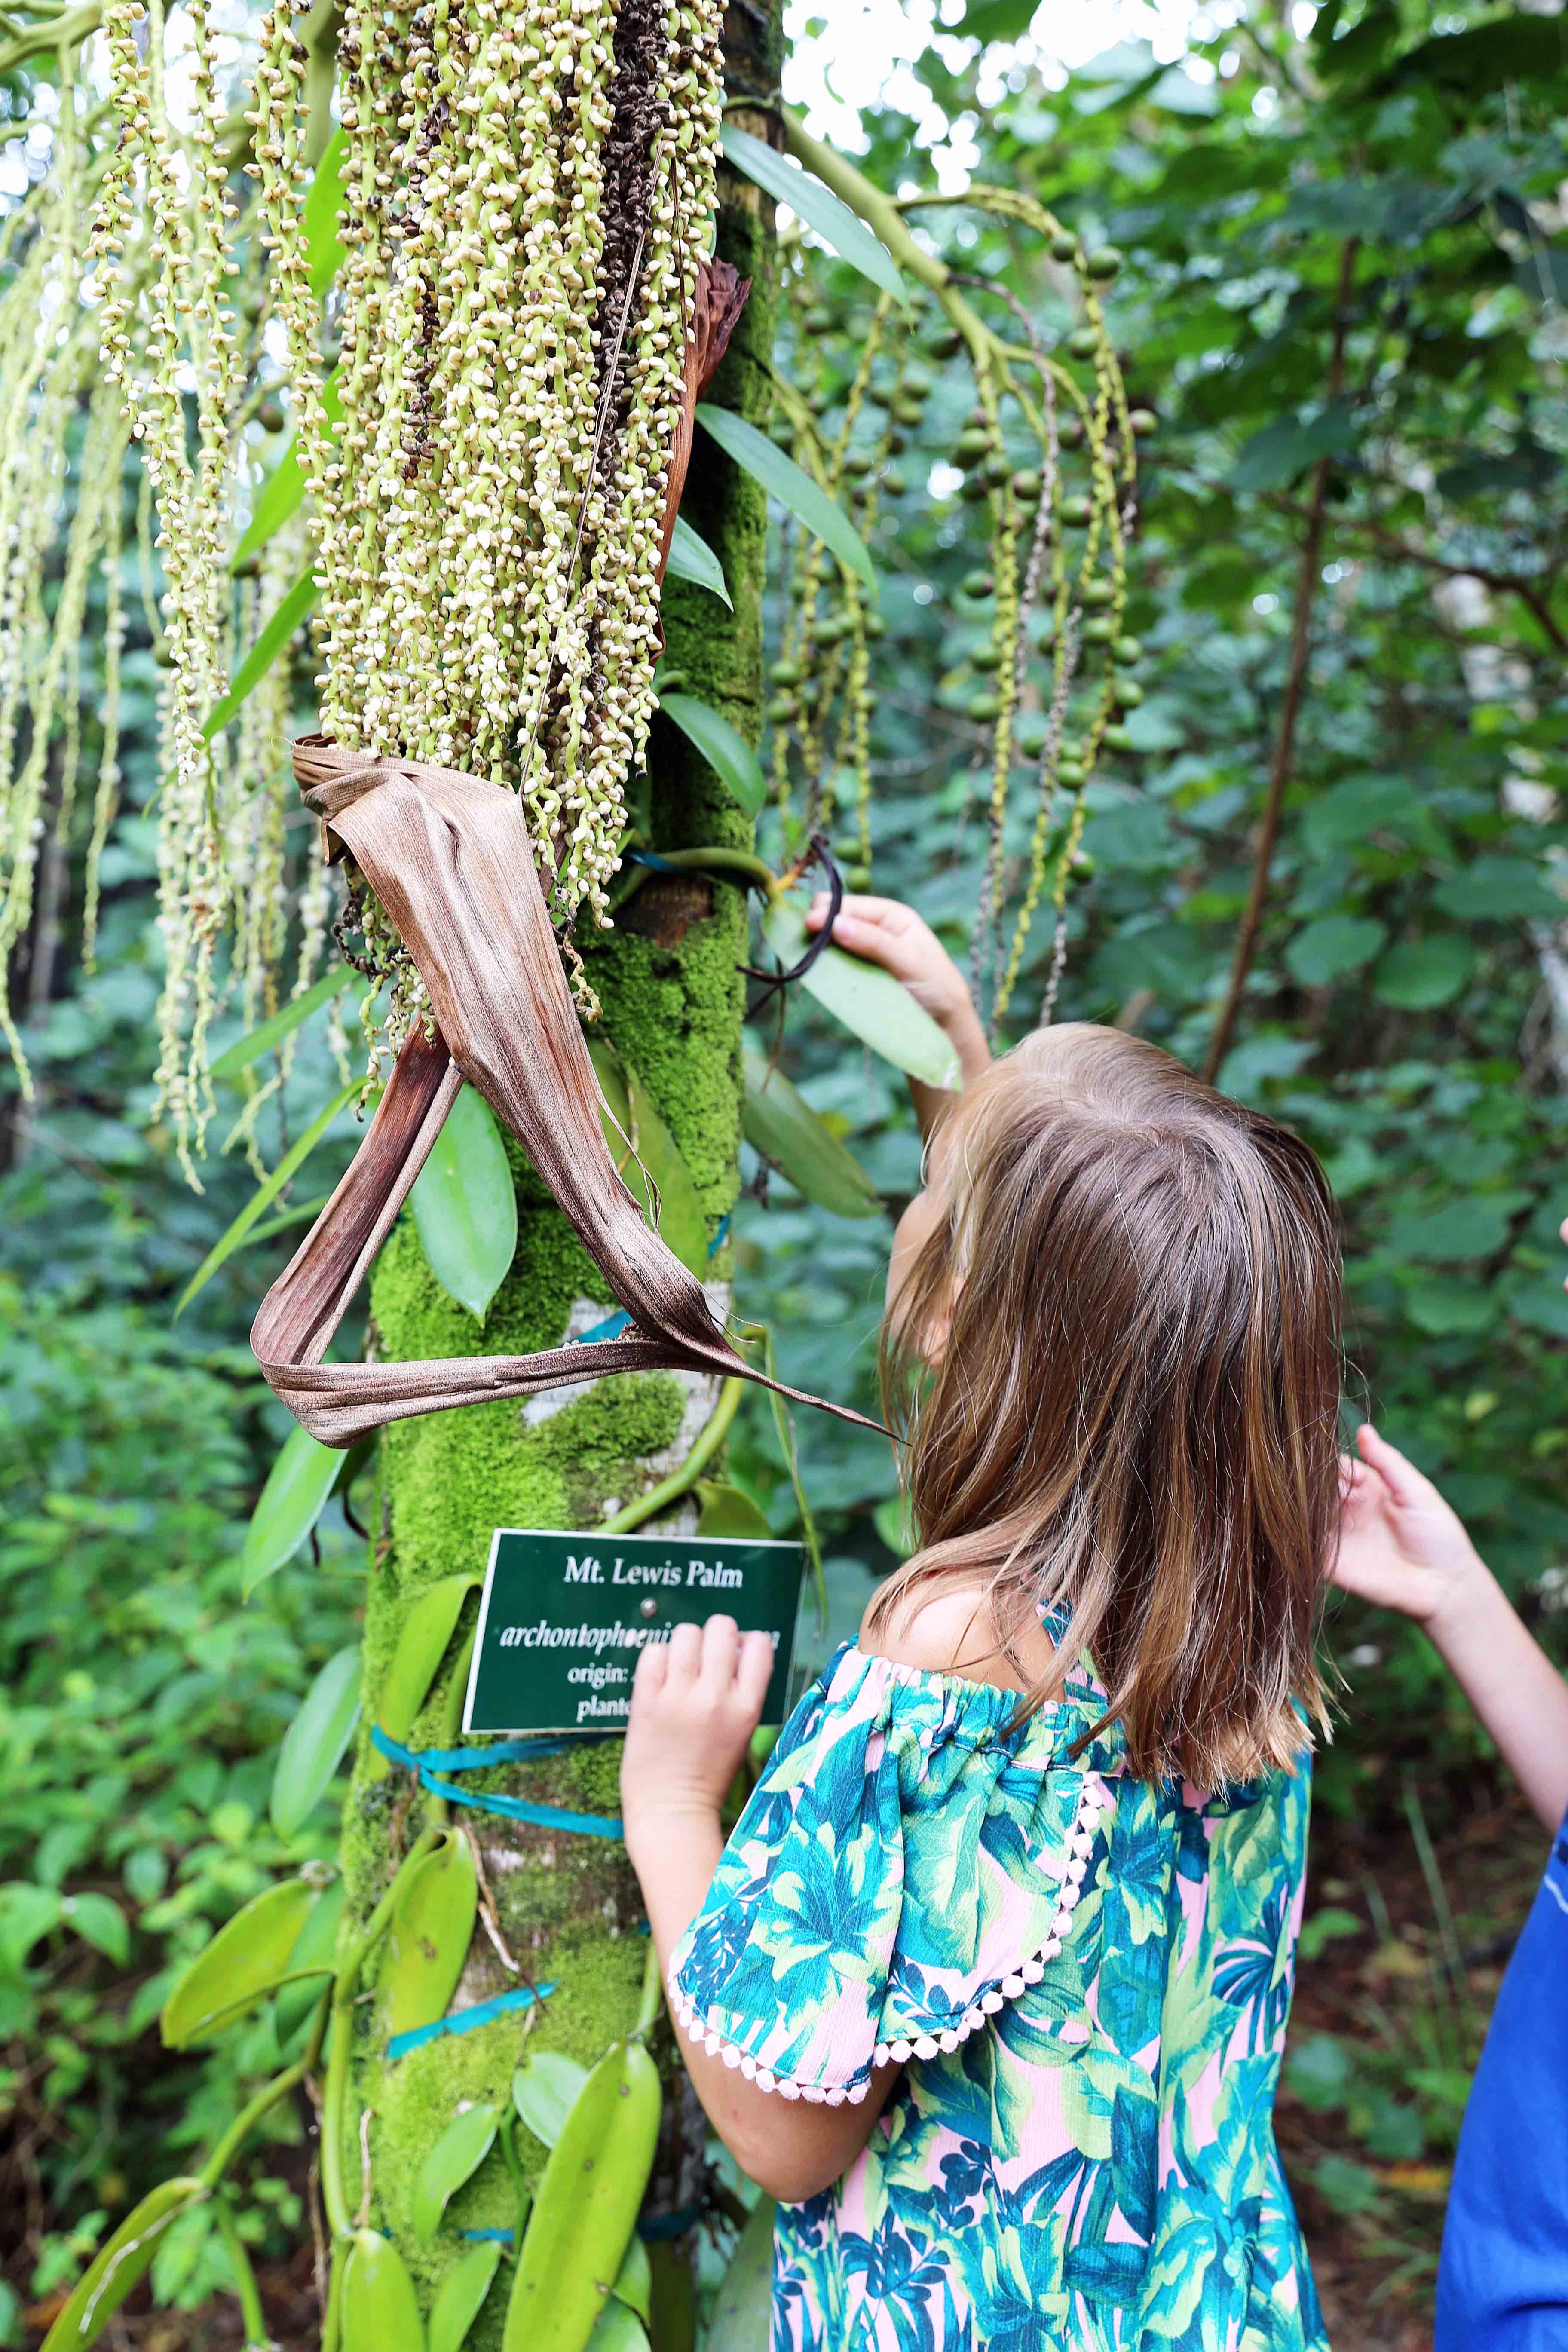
(262, 1039)
(730, 1511)
(727, 752)
(313, 1744)
(120, 2263)
(264, 1194)
(380, 2309)
(812, 202)
(421, 1645)
(280, 494)
(246, 1959)
(432, 1926)
(460, 2297)
(99, 1920)
(294, 1496)
(634, 2285)
(618, 2329)
(791, 485)
(742, 2307)
(778, 1121)
(629, 1118)
(464, 1205)
(869, 1002)
(324, 245)
(545, 2090)
(310, 1959)
(456, 2158)
(691, 557)
(277, 631)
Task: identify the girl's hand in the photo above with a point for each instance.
(886, 932)
(696, 1701)
(1401, 1546)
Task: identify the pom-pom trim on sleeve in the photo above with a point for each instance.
(1098, 1797)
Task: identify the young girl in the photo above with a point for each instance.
(1502, 2285)
(989, 1986)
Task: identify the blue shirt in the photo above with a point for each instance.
(1502, 2285)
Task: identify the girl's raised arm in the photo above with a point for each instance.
(1402, 1547)
(887, 933)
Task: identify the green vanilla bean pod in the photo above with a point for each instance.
(586, 2206)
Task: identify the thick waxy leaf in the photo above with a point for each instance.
(691, 557)
(741, 2308)
(779, 1122)
(264, 1194)
(262, 1039)
(421, 1646)
(460, 2297)
(814, 203)
(585, 2207)
(294, 1496)
(618, 2330)
(545, 2090)
(116, 2266)
(380, 2309)
(245, 1959)
(869, 1002)
(464, 1208)
(791, 485)
(284, 488)
(275, 633)
(633, 2286)
(432, 1925)
(730, 1511)
(324, 245)
(311, 1960)
(456, 2158)
(728, 753)
(629, 1119)
(314, 1742)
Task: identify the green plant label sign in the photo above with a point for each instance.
(564, 1617)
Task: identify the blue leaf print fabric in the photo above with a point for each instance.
(1085, 1979)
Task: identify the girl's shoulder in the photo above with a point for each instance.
(949, 1631)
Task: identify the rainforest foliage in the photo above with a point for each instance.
(1339, 302)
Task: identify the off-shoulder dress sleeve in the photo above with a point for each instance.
(907, 1864)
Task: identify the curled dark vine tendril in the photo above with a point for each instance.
(775, 983)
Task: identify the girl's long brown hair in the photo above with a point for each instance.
(1133, 1404)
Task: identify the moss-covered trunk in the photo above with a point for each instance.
(568, 1907)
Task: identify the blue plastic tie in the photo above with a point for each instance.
(657, 2226)
(514, 1809)
(490, 2237)
(610, 1328)
(467, 2020)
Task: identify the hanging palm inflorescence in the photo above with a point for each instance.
(1048, 454)
(481, 295)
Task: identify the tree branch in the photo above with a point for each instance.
(1308, 578)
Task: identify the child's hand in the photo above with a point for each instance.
(885, 931)
(696, 1701)
(1401, 1546)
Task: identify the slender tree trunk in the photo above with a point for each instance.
(568, 1907)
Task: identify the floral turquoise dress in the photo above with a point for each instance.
(1086, 1979)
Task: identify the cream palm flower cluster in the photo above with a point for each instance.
(528, 191)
